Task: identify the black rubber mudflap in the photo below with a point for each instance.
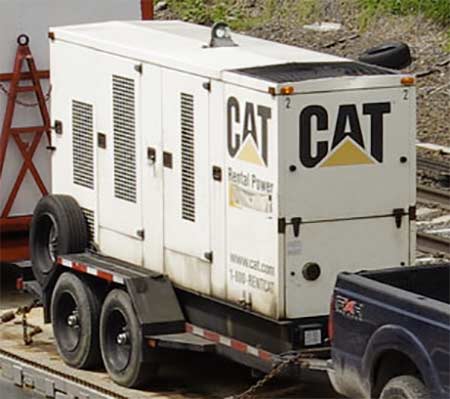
(156, 305)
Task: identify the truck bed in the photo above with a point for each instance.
(430, 282)
(390, 323)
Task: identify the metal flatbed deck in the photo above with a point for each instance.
(39, 369)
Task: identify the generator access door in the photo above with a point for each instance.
(118, 157)
(347, 153)
(186, 166)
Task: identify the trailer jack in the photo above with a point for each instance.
(29, 330)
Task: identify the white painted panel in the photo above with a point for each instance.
(250, 179)
(119, 191)
(217, 148)
(152, 173)
(188, 271)
(119, 246)
(65, 59)
(349, 245)
(188, 236)
(334, 187)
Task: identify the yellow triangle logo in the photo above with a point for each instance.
(347, 154)
(249, 153)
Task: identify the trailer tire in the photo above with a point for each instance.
(122, 342)
(405, 387)
(394, 55)
(58, 227)
(75, 310)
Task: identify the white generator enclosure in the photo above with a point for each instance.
(251, 171)
(33, 19)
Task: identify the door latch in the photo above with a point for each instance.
(167, 160)
(101, 140)
(295, 222)
(217, 173)
(140, 233)
(151, 155)
(296, 225)
(398, 215)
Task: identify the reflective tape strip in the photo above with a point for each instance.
(230, 342)
(83, 268)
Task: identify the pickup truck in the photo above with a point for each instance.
(390, 333)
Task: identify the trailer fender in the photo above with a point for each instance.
(156, 304)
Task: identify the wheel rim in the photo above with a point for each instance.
(67, 324)
(118, 343)
(53, 242)
(49, 242)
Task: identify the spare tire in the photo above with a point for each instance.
(394, 55)
(58, 227)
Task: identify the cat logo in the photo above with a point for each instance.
(247, 135)
(347, 145)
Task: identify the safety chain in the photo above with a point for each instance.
(23, 103)
(291, 359)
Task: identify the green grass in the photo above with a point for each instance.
(437, 10)
(240, 19)
(208, 12)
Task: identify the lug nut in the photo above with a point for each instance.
(72, 320)
(122, 338)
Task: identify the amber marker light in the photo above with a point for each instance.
(408, 80)
(286, 90)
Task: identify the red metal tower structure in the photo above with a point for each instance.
(14, 230)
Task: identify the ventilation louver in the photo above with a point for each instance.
(83, 144)
(90, 220)
(187, 158)
(124, 138)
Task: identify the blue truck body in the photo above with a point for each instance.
(390, 323)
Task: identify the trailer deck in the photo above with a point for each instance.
(38, 368)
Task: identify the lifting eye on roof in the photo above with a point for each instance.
(221, 36)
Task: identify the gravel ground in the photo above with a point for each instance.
(425, 38)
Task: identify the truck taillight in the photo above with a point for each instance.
(331, 320)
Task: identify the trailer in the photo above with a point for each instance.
(36, 370)
(207, 190)
(24, 165)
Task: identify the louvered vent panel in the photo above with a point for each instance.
(187, 158)
(90, 220)
(83, 144)
(124, 138)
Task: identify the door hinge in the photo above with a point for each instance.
(209, 256)
(140, 233)
(398, 215)
(58, 127)
(207, 85)
(412, 212)
(138, 68)
(281, 225)
(295, 222)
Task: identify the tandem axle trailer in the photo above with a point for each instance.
(180, 319)
(204, 194)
